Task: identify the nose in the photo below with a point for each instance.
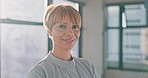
(70, 32)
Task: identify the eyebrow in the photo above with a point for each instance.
(63, 23)
(66, 23)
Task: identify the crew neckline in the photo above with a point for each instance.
(61, 63)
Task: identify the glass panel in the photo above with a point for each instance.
(113, 16)
(124, 22)
(22, 47)
(31, 10)
(136, 15)
(113, 48)
(135, 48)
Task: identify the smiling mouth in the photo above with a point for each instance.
(69, 40)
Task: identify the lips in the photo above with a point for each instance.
(69, 40)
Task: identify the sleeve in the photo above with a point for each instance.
(36, 72)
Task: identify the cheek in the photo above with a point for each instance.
(57, 35)
(56, 38)
(77, 34)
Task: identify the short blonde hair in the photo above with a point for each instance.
(54, 13)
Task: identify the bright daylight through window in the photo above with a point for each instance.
(24, 41)
(127, 37)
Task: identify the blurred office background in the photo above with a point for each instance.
(114, 36)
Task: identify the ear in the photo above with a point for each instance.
(49, 33)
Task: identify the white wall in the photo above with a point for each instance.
(92, 33)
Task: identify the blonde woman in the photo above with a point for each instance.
(63, 24)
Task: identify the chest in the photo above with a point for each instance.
(76, 72)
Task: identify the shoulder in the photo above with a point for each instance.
(37, 70)
(84, 64)
(38, 66)
(82, 61)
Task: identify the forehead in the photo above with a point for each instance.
(67, 20)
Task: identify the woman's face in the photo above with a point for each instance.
(65, 34)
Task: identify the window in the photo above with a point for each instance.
(24, 41)
(127, 37)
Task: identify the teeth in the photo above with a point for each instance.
(69, 40)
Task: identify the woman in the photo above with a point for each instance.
(63, 24)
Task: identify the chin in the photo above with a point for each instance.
(68, 47)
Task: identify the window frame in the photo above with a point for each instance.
(120, 28)
(20, 22)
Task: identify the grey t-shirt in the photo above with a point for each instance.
(52, 67)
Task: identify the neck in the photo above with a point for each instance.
(62, 54)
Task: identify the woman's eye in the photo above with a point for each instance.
(62, 26)
(75, 27)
